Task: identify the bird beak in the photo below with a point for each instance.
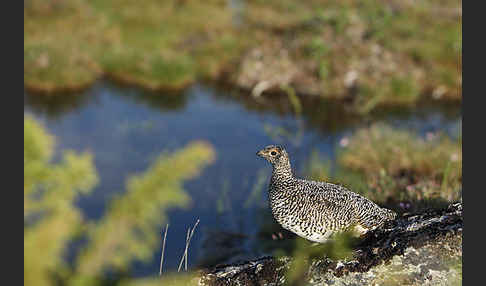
(260, 153)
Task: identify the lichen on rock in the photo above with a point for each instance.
(415, 249)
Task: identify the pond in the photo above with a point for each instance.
(126, 128)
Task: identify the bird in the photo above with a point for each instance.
(317, 210)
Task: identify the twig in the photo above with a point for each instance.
(185, 251)
(163, 250)
(188, 240)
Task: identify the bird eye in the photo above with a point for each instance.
(273, 153)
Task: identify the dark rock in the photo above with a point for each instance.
(423, 248)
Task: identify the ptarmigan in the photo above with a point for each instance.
(316, 210)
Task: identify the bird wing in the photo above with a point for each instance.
(328, 193)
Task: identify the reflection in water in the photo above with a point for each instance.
(125, 128)
(60, 104)
(55, 106)
(162, 101)
(220, 246)
(327, 116)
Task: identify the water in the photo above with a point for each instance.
(125, 128)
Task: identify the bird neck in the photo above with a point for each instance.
(282, 171)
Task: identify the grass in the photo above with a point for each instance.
(395, 53)
(59, 47)
(392, 166)
(162, 255)
(400, 53)
(190, 233)
(154, 44)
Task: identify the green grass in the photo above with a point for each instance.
(397, 162)
(60, 45)
(401, 53)
(154, 44)
(386, 164)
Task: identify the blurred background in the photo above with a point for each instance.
(139, 114)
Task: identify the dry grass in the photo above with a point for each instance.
(190, 233)
(163, 250)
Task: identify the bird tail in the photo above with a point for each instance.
(389, 214)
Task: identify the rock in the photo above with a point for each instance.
(266, 68)
(415, 249)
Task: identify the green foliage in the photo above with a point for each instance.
(294, 100)
(47, 186)
(317, 168)
(404, 89)
(338, 248)
(399, 91)
(223, 202)
(50, 220)
(384, 163)
(170, 279)
(127, 232)
(258, 188)
(149, 69)
(319, 53)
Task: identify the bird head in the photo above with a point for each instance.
(276, 155)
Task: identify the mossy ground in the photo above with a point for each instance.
(371, 52)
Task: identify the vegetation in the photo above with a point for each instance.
(365, 54)
(394, 166)
(50, 220)
(155, 44)
(371, 52)
(304, 252)
(61, 45)
(129, 229)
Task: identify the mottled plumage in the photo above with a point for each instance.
(316, 210)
